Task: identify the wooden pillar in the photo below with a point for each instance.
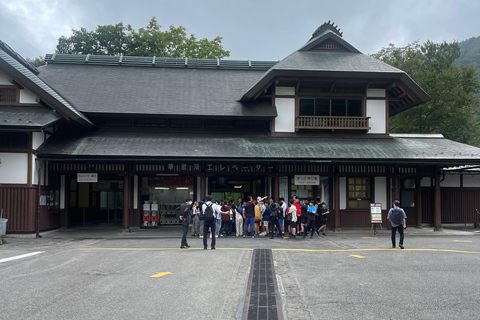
(418, 201)
(437, 220)
(276, 188)
(126, 202)
(203, 190)
(336, 208)
(396, 186)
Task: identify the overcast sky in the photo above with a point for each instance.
(251, 29)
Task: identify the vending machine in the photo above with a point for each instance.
(146, 214)
(154, 213)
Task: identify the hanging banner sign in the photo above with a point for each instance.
(87, 177)
(307, 180)
(169, 181)
(376, 212)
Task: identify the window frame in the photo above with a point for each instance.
(17, 95)
(330, 99)
(370, 188)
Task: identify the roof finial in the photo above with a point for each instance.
(327, 26)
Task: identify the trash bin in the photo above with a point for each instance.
(3, 226)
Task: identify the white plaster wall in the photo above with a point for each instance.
(471, 181)
(285, 91)
(451, 180)
(14, 168)
(285, 121)
(135, 192)
(4, 79)
(375, 93)
(26, 96)
(343, 193)
(62, 192)
(37, 139)
(376, 110)
(426, 182)
(381, 191)
(35, 172)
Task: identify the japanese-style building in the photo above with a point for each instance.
(89, 138)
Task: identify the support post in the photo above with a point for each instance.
(276, 188)
(337, 202)
(126, 202)
(418, 201)
(437, 222)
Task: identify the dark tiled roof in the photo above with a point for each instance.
(169, 91)
(6, 48)
(26, 77)
(131, 145)
(27, 117)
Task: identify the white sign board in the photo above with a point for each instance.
(87, 177)
(283, 188)
(307, 180)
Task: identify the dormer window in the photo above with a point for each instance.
(331, 107)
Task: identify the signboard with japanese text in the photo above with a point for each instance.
(307, 180)
(87, 177)
(169, 181)
(376, 212)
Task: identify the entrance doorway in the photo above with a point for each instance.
(408, 200)
(234, 187)
(96, 202)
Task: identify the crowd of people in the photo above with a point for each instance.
(252, 218)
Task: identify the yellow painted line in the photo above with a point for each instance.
(282, 249)
(462, 241)
(161, 274)
(355, 256)
(369, 238)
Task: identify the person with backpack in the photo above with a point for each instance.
(249, 216)
(311, 216)
(210, 213)
(184, 212)
(398, 219)
(275, 212)
(226, 220)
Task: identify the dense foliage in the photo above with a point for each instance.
(470, 55)
(453, 108)
(148, 41)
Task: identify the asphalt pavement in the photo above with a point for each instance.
(105, 273)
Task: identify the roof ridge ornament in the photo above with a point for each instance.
(327, 26)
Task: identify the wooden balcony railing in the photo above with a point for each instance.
(349, 123)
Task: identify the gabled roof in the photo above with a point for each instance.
(327, 55)
(27, 118)
(168, 89)
(148, 145)
(27, 75)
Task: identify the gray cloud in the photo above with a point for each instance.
(258, 30)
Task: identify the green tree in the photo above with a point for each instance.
(454, 105)
(37, 62)
(147, 41)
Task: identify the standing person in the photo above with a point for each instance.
(196, 219)
(281, 218)
(303, 221)
(275, 212)
(218, 226)
(398, 219)
(322, 218)
(201, 216)
(184, 215)
(210, 212)
(311, 214)
(239, 219)
(266, 219)
(249, 216)
(296, 203)
(225, 218)
(292, 214)
(258, 218)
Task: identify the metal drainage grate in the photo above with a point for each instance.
(262, 297)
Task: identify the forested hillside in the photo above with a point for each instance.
(470, 55)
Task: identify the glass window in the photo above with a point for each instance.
(359, 196)
(354, 108)
(322, 107)
(307, 107)
(338, 108)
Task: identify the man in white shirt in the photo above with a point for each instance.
(210, 223)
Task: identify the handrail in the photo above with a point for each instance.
(329, 122)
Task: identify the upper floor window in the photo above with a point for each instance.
(359, 195)
(331, 107)
(13, 139)
(8, 95)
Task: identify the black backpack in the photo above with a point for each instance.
(273, 213)
(396, 216)
(209, 212)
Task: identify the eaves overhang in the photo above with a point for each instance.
(30, 80)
